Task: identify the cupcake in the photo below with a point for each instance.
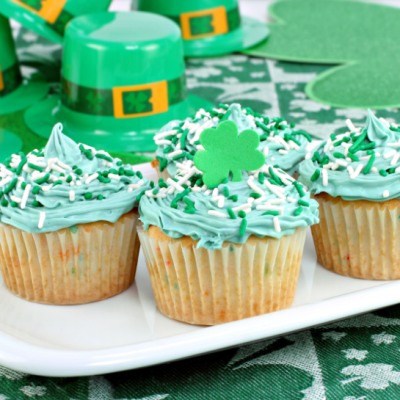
(355, 177)
(178, 141)
(225, 251)
(68, 223)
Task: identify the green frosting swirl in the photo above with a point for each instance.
(360, 164)
(66, 184)
(292, 143)
(267, 202)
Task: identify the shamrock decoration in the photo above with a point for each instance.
(361, 37)
(226, 151)
(95, 100)
(137, 102)
(201, 25)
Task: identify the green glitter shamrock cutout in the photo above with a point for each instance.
(356, 40)
(226, 151)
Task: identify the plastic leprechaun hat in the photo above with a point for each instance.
(209, 27)
(15, 92)
(50, 17)
(123, 78)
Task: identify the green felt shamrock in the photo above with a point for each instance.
(363, 38)
(226, 151)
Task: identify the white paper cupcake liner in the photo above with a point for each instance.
(360, 239)
(76, 265)
(210, 287)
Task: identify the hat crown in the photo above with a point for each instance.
(111, 49)
(177, 7)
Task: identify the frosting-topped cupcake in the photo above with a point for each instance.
(66, 184)
(68, 221)
(178, 141)
(222, 243)
(355, 178)
(363, 163)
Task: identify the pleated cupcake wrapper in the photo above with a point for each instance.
(209, 287)
(358, 241)
(76, 265)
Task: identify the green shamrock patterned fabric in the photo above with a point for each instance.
(137, 102)
(201, 25)
(354, 359)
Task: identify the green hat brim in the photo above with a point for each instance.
(10, 143)
(29, 20)
(30, 92)
(41, 118)
(250, 33)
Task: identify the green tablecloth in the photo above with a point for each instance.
(354, 359)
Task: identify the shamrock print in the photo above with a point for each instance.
(95, 100)
(360, 38)
(226, 151)
(35, 4)
(137, 102)
(201, 25)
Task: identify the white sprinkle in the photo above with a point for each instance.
(293, 145)
(291, 199)
(200, 147)
(207, 192)
(79, 183)
(374, 169)
(71, 195)
(5, 181)
(266, 151)
(57, 168)
(258, 190)
(25, 195)
(350, 169)
(217, 214)
(114, 176)
(221, 201)
(259, 200)
(335, 166)
(46, 188)
(324, 177)
(174, 153)
(247, 210)
(394, 144)
(65, 166)
(42, 217)
(277, 224)
(215, 192)
(241, 207)
(389, 154)
(174, 184)
(250, 200)
(308, 156)
(16, 199)
(395, 159)
(327, 166)
(276, 201)
(204, 188)
(72, 183)
(341, 162)
(272, 158)
(92, 178)
(161, 142)
(327, 146)
(274, 189)
(196, 189)
(351, 126)
(283, 151)
(357, 171)
(385, 193)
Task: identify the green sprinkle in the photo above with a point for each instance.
(78, 171)
(174, 139)
(339, 155)
(102, 179)
(43, 179)
(167, 149)
(226, 191)
(234, 198)
(242, 214)
(367, 146)
(140, 195)
(188, 202)
(139, 174)
(325, 160)
(274, 213)
(226, 116)
(316, 157)
(391, 170)
(333, 137)
(162, 185)
(255, 195)
(189, 210)
(69, 179)
(262, 126)
(121, 171)
(100, 197)
(11, 186)
(74, 167)
(226, 180)
(299, 188)
(369, 164)
(231, 213)
(338, 143)
(224, 106)
(104, 157)
(274, 176)
(36, 167)
(305, 134)
(21, 165)
(35, 203)
(243, 227)
(183, 138)
(151, 184)
(315, 175)
(182, 155)
(353, 157)
(358, 142)
(128, 172)
(155, 191)
(23, 185)
(382, 172)
(261, 177)
(304, 203)
(288, 137)
(4, 202)
(370, 152)
(88, 195)
(13, 204)
(119, 163)
(298, 211)
(36, 189)
(58, 182)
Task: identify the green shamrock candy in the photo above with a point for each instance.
(226, 151)
(361, 37)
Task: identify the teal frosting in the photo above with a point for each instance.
(191, 217)
(53, 197)
(378, 180)
(248, 120)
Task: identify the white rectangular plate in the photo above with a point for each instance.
(127, 331)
